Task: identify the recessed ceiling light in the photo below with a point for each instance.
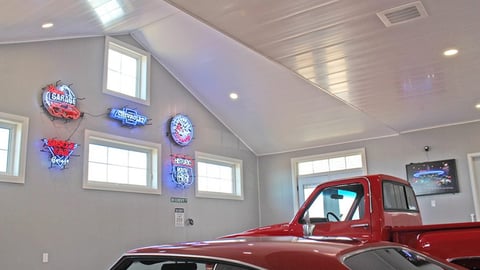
(233, 96)
(47, 25)
(477, 106)
(450, 52)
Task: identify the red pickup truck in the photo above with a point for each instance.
(378, 208)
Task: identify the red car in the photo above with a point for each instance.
(278, 253)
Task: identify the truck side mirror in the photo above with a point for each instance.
(307, 226)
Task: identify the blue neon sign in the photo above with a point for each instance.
(128, 117)
(182, 170)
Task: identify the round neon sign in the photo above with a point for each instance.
(60, 101)
(181, 129)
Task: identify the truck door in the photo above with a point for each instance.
(342, 210)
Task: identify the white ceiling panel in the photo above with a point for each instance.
(269, 93)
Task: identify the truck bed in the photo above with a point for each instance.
(451, 241)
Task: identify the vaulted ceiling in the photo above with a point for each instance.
(307, 73)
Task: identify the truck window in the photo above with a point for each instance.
(338, 203)
(398, 197)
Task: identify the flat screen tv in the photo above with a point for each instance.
(433, 177)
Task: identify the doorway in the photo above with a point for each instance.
(474, 169)
(310, 171)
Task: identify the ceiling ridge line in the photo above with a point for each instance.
(188, 88)
(273, 61)
(177, 11)
(350, 105)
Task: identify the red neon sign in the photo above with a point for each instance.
(60, 101)
(60, 151)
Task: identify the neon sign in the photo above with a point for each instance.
(60, 151)
(60, 101)
(182, 170)
(128, 117)
(181, 129)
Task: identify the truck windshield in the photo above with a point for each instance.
(337, 203)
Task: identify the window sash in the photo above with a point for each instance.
(313, 170)
(128, 167)
(220, 179)
(234, 165)
(331, 163)
(124, 170)
(7, 149)
(398, 197)
(14, 150)
(141, 91)
(138, 68)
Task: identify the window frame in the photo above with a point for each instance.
(298, 179)
(153, 168)
(358, 203)
(18, 154)
(143, 58)
(237, 177)
(328, 157)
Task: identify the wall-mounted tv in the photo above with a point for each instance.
(433, 177)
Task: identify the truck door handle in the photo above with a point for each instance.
(361, 225)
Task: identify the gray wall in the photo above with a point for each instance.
(89, 229)
(389, 156)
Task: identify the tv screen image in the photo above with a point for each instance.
(433, 177)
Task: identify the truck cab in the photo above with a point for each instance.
(364, 207)
(352, 207)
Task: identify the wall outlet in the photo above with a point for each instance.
(45, 257)
(433, 203)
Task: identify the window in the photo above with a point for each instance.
(391, 258)
(331, 164)
(177, 262)
(311, 171)
(218, 177)
(398, 197)
(126, 71)
(13, 145)
(338, 203)
(121, 164)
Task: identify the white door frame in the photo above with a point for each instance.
(294, 165)
(474, 178)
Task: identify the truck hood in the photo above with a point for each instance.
(270, 230)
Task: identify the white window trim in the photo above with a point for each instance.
(238, 166)
(20, 147)
(144, 73)
(155, 166)
(296, 161)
